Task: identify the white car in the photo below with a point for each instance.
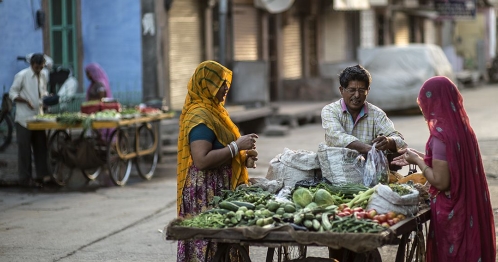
(398, 72)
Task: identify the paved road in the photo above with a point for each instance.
(106, 223)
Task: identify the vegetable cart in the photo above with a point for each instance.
(128, 139)
(408, 235)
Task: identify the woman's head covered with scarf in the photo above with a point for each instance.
(96, 74)
(202, 107)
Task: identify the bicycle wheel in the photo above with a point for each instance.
(146, 164)
(119, 169)
(58, 170)
(6, 129)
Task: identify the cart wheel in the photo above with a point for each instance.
(146, 164)
(58, 170)
(119, 169)
(413, 248)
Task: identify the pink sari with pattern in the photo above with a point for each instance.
(462, 225)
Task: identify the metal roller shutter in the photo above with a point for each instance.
(185, 47)
(292, 68)
(335, 35)
(245, 32)
(401, 29)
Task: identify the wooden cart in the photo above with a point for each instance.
(118, 148)
(408, 235)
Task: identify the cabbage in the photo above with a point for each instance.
(323, 198)
(302, 197)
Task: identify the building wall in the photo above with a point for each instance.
(19, 37)
(111, 33)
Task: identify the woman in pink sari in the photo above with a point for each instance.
(99, 88)
(462, 225)
(99, 83)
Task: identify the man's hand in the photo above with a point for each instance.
(383, 142)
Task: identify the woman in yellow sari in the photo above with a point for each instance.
(211, 151)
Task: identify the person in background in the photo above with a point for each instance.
(353, 123)
(65, 94)
(462, 226)
(99, 83)
(27, 91)
(211, 152)
(49, 64)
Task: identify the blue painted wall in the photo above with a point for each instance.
(111, 33)
(18, 37)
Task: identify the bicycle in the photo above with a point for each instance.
(6, 122)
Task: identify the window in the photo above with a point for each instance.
(63, 45)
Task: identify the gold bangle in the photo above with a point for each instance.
(423, 170)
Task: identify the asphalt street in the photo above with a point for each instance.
(108, 223)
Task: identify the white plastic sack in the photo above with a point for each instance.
(384, 200)
(292, 166)
(338, 164)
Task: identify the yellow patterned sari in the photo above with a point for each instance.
(202, 107)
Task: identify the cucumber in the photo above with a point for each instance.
(272, 206)
(289, 208)
(228, 206)
(244, 204)
(308, 224)
(316, 224)
(217, 210)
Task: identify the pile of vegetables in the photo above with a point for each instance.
(319, 208)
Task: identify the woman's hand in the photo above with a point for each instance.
(247, 142)
(408, 156)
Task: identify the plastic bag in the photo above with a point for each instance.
(376, 168)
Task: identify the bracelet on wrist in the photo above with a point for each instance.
(230, 148)
(235, 147)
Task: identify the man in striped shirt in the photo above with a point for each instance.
(353, 123)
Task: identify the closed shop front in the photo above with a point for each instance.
(292, 50)
(335, 36)
(401, 29)
(245, 31)
(185, 23)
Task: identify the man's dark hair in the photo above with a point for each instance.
(357, 73)
(37, 59)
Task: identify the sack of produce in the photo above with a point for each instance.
(402, 200)
(338, 165)
(292, 166)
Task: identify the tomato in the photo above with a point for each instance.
(401, 217)
(395, 220)
(390, 215)
(382, 218)
(376, 217)
(371, 213)
(385, 224)
(390, 222)
(376, 221)
(359, 215)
